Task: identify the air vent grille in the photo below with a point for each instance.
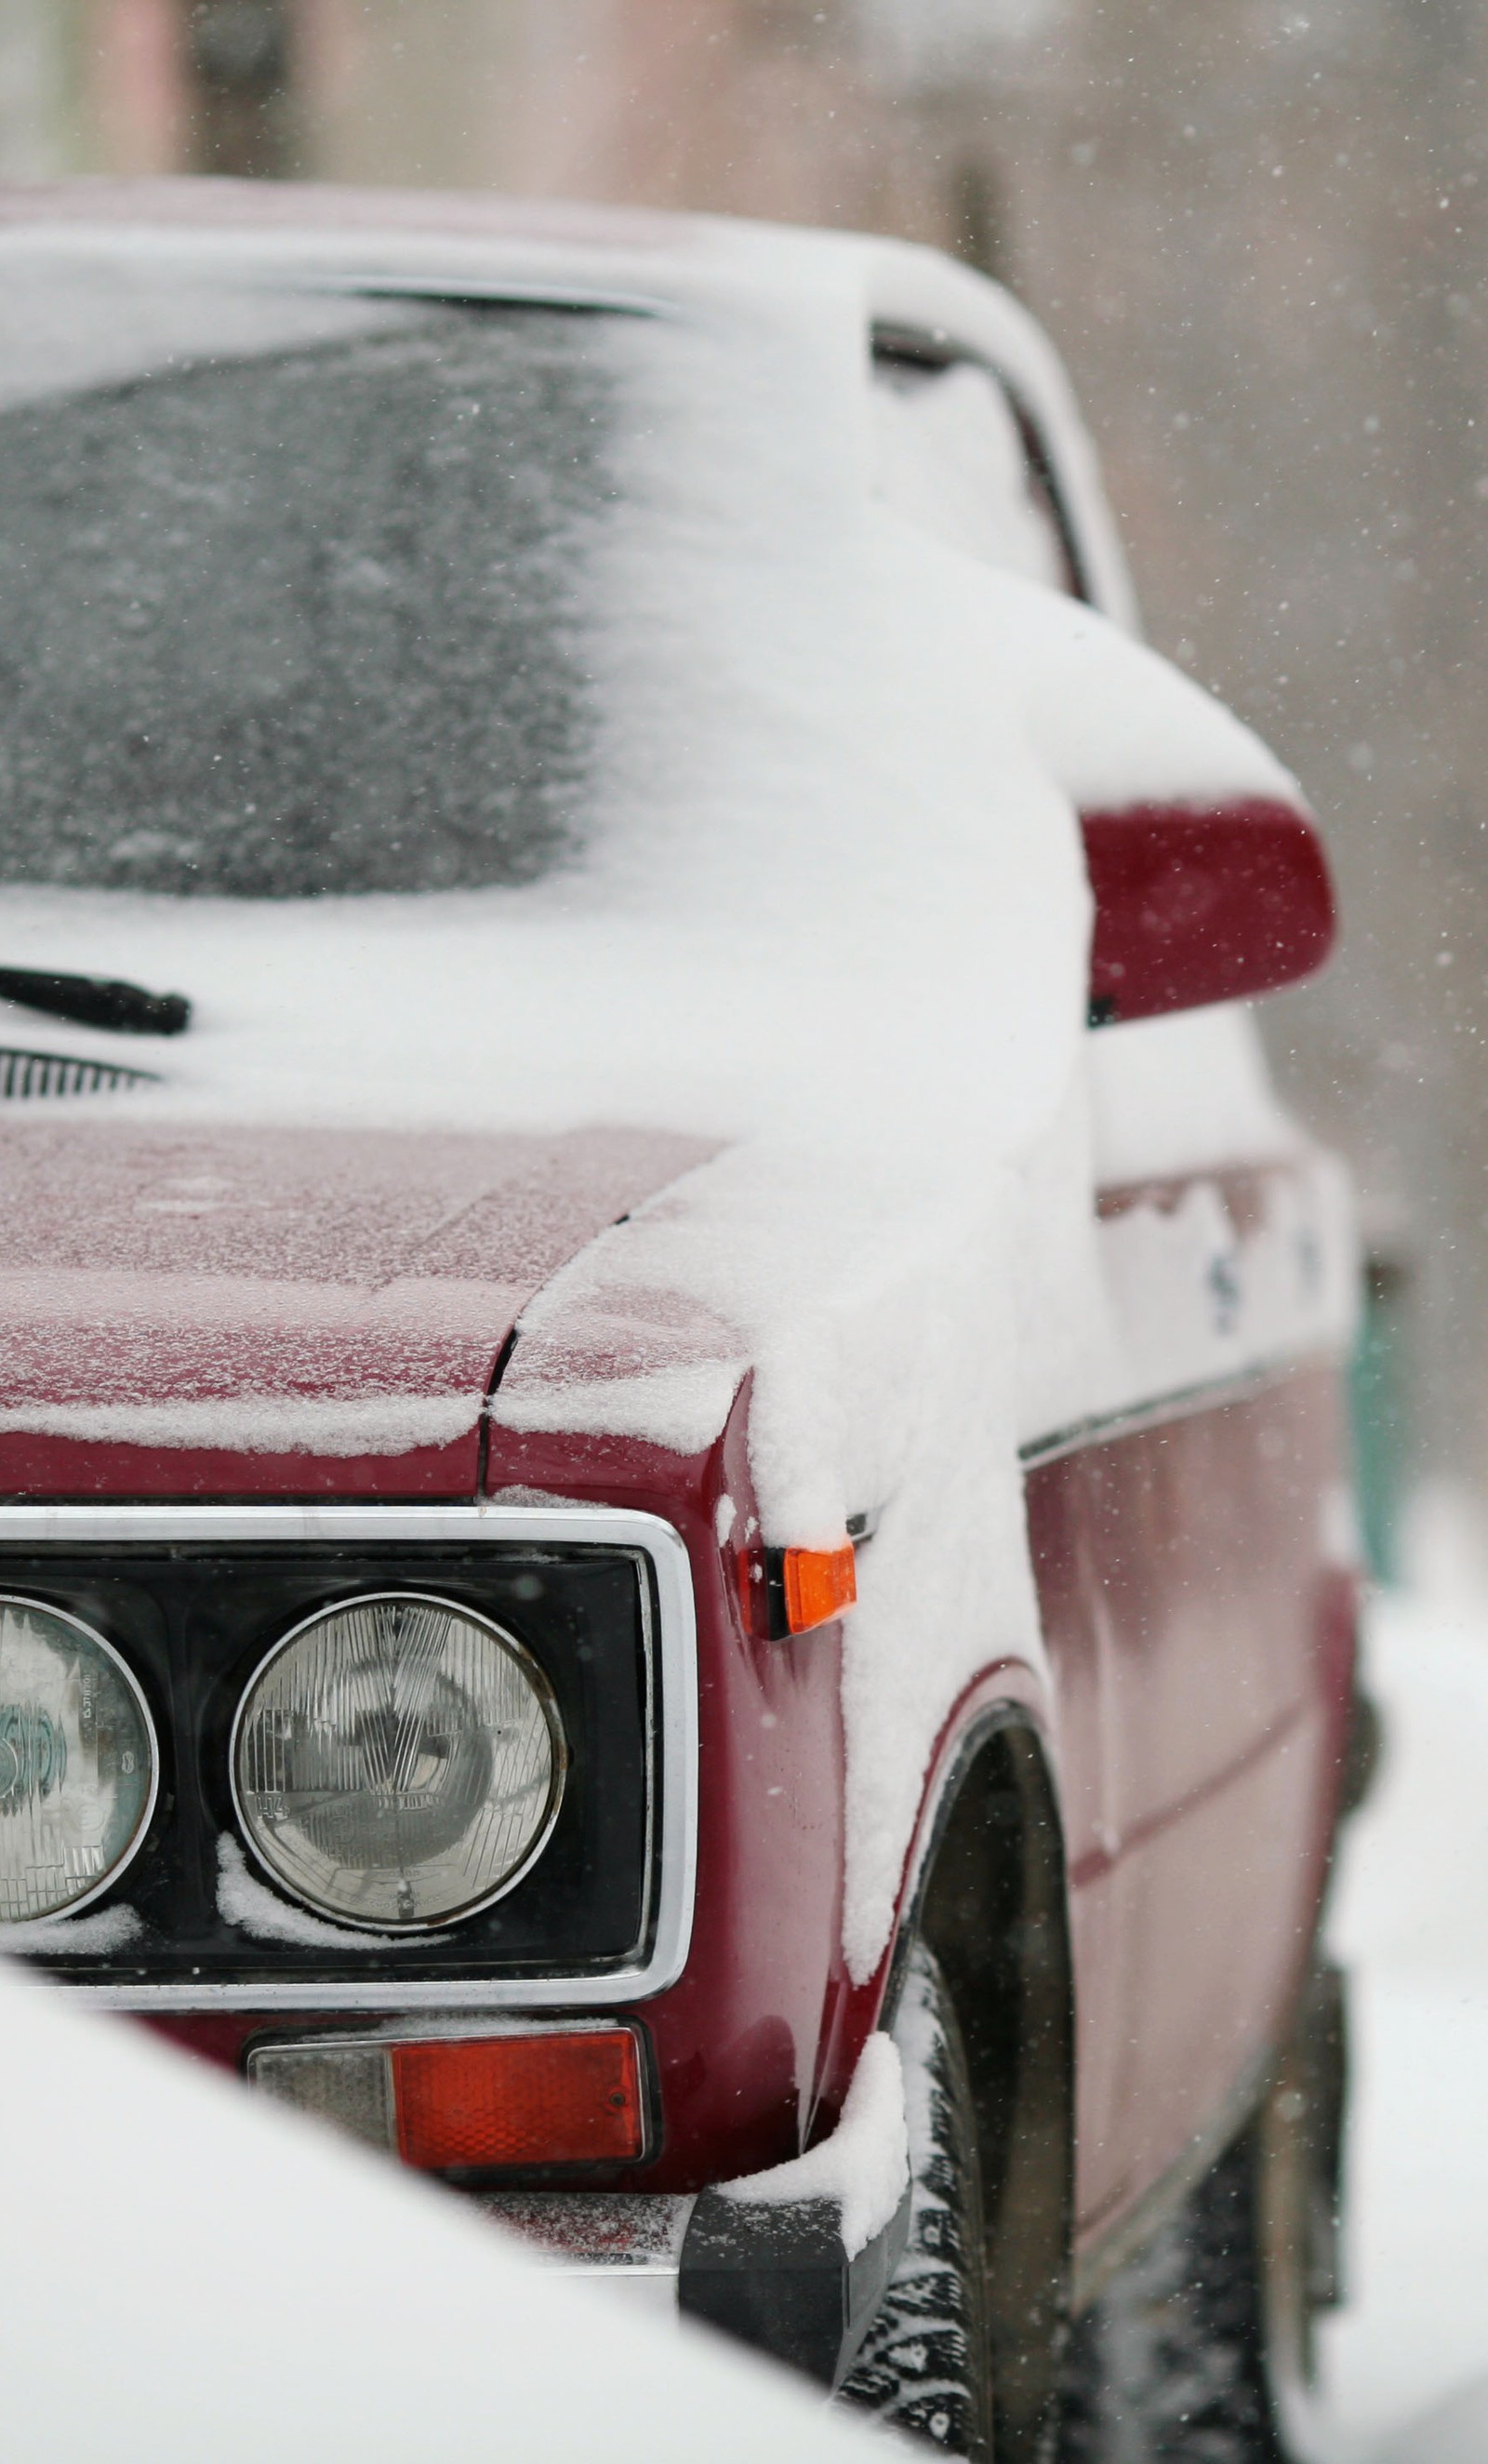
(24, 1074)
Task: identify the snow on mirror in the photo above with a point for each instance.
(399, 1760)
(78, 1763)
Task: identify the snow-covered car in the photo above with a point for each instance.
(669, 1545)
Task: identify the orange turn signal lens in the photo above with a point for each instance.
(548, 2099)
(820, 1583)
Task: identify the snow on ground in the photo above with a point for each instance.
(1405, 2363)
(254, 2285)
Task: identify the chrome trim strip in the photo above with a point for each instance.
(573, 1525)
(1129, 1419)
(440, 2027)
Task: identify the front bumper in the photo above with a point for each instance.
(777, 2277)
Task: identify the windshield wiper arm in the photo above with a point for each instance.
(95, 1000)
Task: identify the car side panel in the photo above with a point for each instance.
(1187, 1590)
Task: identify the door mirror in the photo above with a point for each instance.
(1195, 904)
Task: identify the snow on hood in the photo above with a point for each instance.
(289, 1291)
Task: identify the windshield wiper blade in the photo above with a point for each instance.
(95, 1000)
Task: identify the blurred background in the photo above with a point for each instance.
(1258, 230)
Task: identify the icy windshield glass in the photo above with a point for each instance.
(293, 585)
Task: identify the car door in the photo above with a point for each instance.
(1212, 1533)
(1196, 1596)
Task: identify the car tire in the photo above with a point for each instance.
(1201, 2346)
(924, 2366)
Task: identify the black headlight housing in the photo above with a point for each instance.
(195, 1621)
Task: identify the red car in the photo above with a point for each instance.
(670, 1546)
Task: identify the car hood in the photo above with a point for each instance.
(257, 1310)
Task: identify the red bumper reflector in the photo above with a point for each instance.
(539, 2099)
(820, 1583)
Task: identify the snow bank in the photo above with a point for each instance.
(1409, 1919)
(863, 2166)
(1454, 2432)
(376, 2315)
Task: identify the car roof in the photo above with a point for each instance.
(626, 255)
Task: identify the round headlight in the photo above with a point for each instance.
(398, 1761)
(78, 1763)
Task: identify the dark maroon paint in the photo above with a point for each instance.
(1199, 904)
(1195, 1727)
(211, 1267)
(1202, 1659)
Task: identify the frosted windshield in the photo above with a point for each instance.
(292, 589)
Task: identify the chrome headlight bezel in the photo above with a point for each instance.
(109, 1652)
(540, 1686)
(196, 1593)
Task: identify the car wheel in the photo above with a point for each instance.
(1201, 2346)
(924, 2366)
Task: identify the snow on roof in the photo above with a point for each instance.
(613, 251)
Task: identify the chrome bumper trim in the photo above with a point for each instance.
(629, 2242)
(597, 2233)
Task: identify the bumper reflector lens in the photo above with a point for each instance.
(553, 2096)
(820, 1584)
(519, 2100)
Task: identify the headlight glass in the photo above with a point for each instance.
(78, 1763)
(398, 1761)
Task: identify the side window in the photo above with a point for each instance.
(954, 454)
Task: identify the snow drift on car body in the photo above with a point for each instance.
(795, 876)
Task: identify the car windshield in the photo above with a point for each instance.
(294, 585)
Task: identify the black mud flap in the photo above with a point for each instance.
(778, 2277)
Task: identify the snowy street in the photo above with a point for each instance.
(1406, 2364)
